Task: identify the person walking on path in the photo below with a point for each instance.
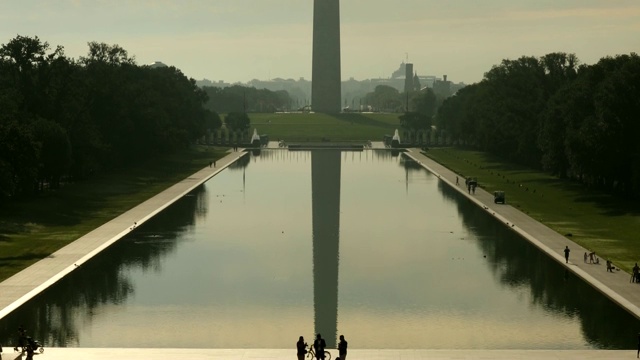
(342, 348)
(457, 181)
(318, 345)
(22, 337)
(636, 272)
(30, 351)
(566, 254)
(302, 348)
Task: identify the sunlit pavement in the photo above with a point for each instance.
(615, 285)
(191, 354)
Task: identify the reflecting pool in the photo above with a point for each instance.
(288, 243)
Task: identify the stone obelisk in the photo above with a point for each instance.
(325, 74)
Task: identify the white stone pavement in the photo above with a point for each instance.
(276, 354)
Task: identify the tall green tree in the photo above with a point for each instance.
(385, 98)
(55, 151)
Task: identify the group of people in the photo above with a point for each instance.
(318, 347)
(25, 343)
(593, 259)
(471, 184)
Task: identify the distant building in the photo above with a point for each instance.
(353, 91)
(157, 64)
(408, 78)
(416, 82)
(443, 87)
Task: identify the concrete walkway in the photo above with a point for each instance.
(615, 285)
(24, 285)
(289, 354)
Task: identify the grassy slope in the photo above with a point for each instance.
(33, 229)
(604, 224)
(314, 127)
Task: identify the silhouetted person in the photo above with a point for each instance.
(638, 355)
(22, 337)
(636, 272)
(318, 346)
(566, 254)
(30, 350)
(302, 348)
(457, 181)
(585, 257)
(342, 348)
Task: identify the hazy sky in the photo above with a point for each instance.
(239, 40)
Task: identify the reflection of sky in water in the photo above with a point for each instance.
(412, 270)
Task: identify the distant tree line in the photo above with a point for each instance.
(386, 98)
(575, 121)
(417, 107)
(243, 99)
(67, 119)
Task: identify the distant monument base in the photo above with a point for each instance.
(326, 145)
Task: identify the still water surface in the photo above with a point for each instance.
(285, 244)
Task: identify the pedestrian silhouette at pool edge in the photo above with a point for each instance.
(342, 348)
(302, 348)
(318, 345)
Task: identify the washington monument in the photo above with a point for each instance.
(325, 73)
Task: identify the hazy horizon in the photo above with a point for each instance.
(241, 40)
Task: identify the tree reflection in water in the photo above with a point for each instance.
(517, 263)
(50, 317)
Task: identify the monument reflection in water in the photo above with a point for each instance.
(284, 244)
(325, 179)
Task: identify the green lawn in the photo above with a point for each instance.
(315, 127)
(608, 225)
(33, 229)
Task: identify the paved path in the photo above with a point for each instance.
(24, 285)
(289, 354)
(615, 285)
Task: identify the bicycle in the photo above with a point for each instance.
(29, 343)
(311, 354)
